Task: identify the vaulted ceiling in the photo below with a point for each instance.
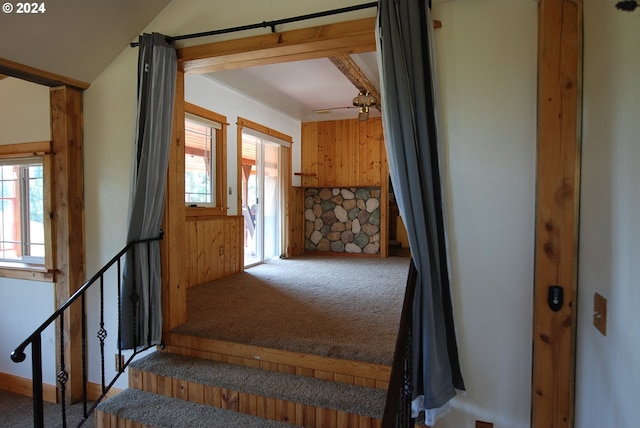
(57, 41)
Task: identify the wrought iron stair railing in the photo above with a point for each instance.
(35, 339)
(397, 412)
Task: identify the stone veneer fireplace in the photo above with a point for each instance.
(342, 220)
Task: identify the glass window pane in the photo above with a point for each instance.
(199, 163)
(22, 212)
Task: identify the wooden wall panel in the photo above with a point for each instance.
(343, 153)
(213, 247)
(295, 213)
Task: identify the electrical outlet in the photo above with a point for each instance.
(480, 424)
(600, 313)
(221, 250)
(119, 362)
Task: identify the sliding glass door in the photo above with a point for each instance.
(261, 199)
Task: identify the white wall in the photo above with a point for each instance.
(24, 305)
(110, 116)
(24, 112)
(487, 56)
(218, 98)
(608, 367)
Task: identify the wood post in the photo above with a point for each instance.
(174, 254)
(557, 211)
(68, 223)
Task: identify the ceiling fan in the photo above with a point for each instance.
(363, 102)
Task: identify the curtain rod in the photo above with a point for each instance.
(266, 24)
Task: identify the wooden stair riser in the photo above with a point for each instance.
(250, 404)
(105, 420)
(350, 372)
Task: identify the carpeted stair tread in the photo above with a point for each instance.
(160, 411)
(283, 386)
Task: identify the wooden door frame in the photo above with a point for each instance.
(557, 177)
(309, 43)
(67, 181)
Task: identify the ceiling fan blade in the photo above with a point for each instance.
(330, 109)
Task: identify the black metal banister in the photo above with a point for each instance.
(20, 356)
(397, 411)
(35, 340)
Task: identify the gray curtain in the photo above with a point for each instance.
(141, 319)
(410, 126)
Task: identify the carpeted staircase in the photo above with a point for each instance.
(172, 390)
(279, 350)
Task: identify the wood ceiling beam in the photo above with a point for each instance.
(342, 38)
(356, 76)
(35, 75)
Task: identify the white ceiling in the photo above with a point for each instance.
(60, 42)
(298, 88)
(75, 38)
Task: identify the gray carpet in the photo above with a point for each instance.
(283, 386)
(164, 412)
(17, 411)
(340, 307)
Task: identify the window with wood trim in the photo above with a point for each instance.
(205, 160)
(22, 210)
(25, 192)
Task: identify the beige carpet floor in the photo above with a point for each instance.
(341, 307)
(17, 411)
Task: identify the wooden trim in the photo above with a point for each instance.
(384, 202)
(308, 43)
(221, 160)
(24, 386)
(37, 148)
(355, 75)
(49, 226)
(94, 391)
(27, 272)
(236, 353)
(557, 210)
(38, 76)
(246, 123)
(239, 181)
(205, 113)
(68, 220)
(204, 213)
(174, 252)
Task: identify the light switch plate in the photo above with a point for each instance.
(600, 313)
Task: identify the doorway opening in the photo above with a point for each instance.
(261, 199)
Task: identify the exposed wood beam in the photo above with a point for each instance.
(557, 210)
(356, 76)
(68, 219)
(35, 75)
(308, 43)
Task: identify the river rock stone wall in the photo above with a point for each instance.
(342, 220)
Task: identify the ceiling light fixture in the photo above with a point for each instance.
(364, 100)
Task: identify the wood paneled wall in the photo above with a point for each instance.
(344, 153)
(295, 222)
(214, 248)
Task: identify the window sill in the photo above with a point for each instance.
(26, 272)
(197, 213)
